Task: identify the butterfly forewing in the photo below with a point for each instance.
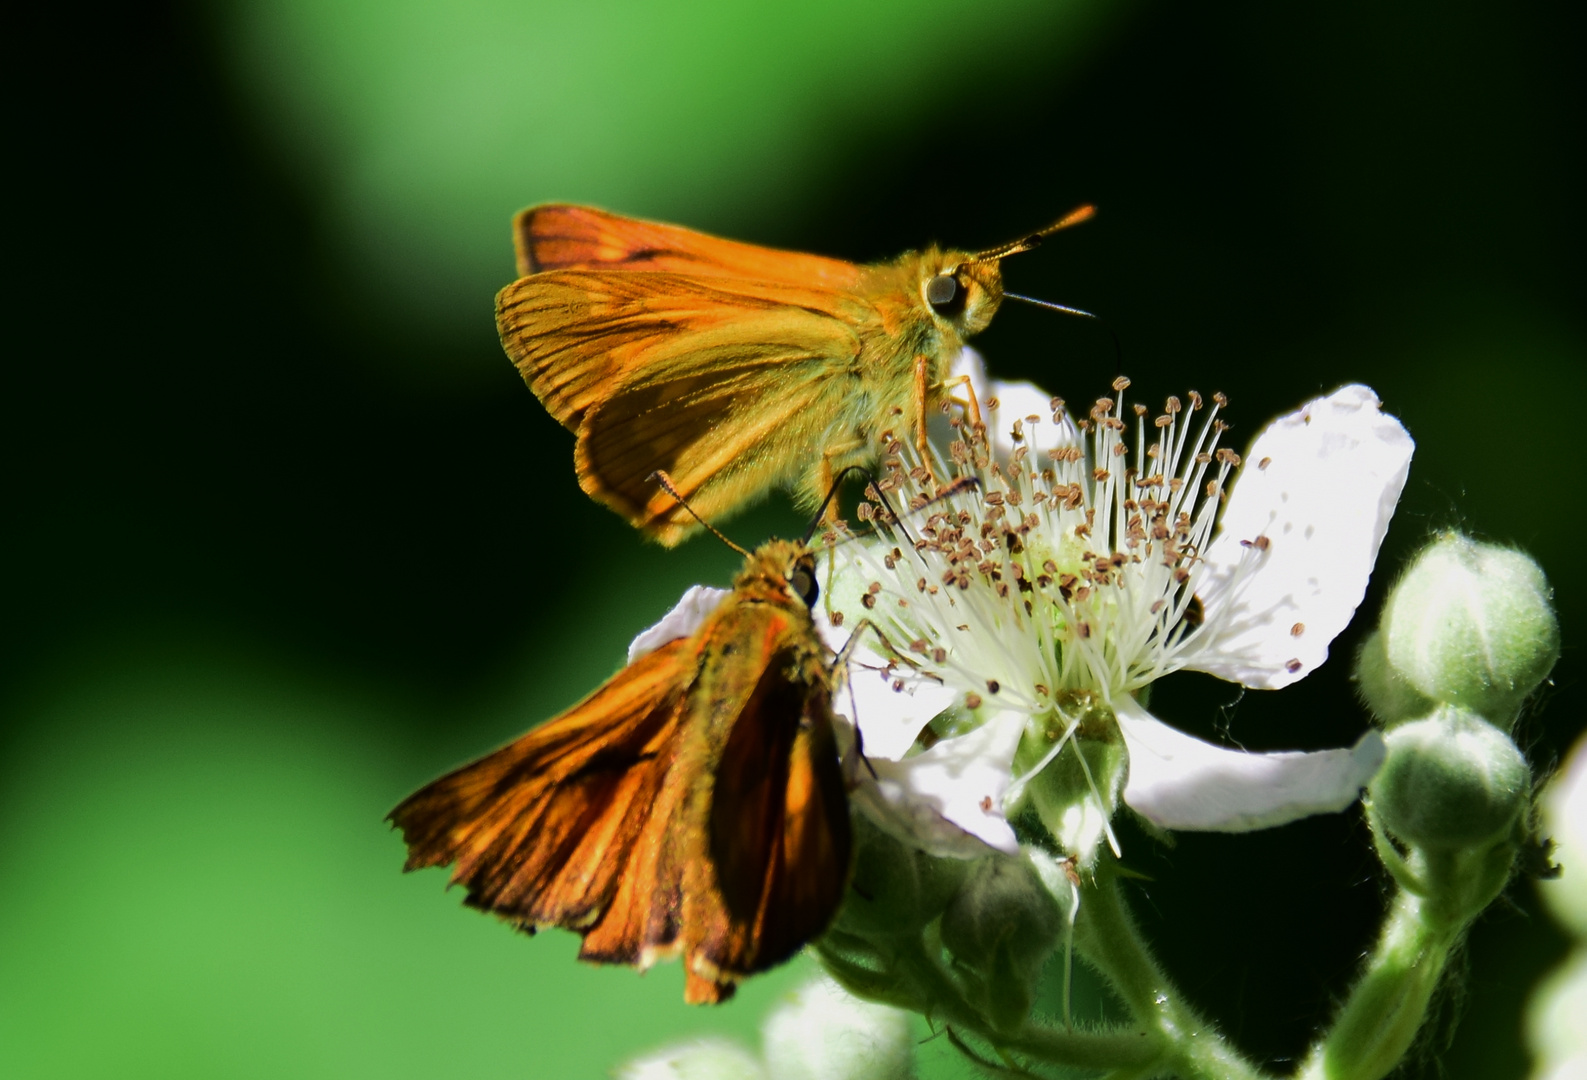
(543, 829)
(564, 237)
(780, 838)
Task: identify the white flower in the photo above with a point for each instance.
(819, 1032)
(1089, 562)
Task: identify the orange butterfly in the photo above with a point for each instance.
(694, 804)
(732, 367)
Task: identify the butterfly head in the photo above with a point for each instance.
(963, 292)
(781, 568)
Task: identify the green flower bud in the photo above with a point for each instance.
(706, 1059)
(1451, 781)
(825, 1033)
(897, 889)
(1387, 693)
(1001, 927)
(1472, 624)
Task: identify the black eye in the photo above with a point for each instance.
(942, 291)
(803, 583)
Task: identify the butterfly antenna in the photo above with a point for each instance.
(1014, 247)
(960, 485)
(875, 487)
(1065, 309)
(661, 478)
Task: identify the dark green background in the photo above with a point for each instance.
(286, 536)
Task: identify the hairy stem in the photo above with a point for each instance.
(1381, 1016)
(1109, 939)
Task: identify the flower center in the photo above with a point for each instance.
(1071, 564)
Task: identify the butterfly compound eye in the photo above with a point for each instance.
(941, 292)
(803, 582)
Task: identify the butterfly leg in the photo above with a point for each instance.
(841, 663)
(921, 382)
(972, 406)
(856, 755)
(828, 474)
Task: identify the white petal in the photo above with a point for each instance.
(1176, 781)
(683, 620)
(1320, 486)
(948, 801)
(888, 719)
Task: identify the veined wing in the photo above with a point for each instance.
(564, 826)
(563, 237)
(576, 336)
(780, 840)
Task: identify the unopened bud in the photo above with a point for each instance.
(1451, 781)
(1002, 926)
(896, 889)
(1383, 689)
(1472, 624)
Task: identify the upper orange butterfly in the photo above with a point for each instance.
(732, 367)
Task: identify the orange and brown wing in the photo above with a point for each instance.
(779, 832)
(725, 384)
(563, 237)
(569, 825)
(577, 336)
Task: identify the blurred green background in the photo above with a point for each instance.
(286, 536)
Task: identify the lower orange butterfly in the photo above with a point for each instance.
(693, 805)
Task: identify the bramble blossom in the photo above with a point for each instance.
(1089, 561)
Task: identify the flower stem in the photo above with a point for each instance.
(1384, 1011)
(1108, 937)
